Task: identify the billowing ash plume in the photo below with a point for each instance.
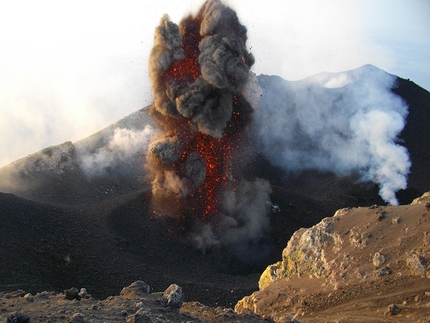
(243, 219)
(345, 127)
(198, 71)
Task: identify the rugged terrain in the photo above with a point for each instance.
(135, 303)
(351, 268)
(366, 264)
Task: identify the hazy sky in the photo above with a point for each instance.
(70, 68)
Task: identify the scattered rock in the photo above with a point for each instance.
(18, 317)
(384, 271)
(72, 293)
(78, 318)
(173, 295)
(380, 215)
(359, 239)
(17, 293)
(83, 293)
(378, 259)
(139, 305)
(141, 316)
(136, 289)
(43, 295)
(28, 297)
(393, 309)
(417, 264)
(396, 220)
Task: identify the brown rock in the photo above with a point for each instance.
(173, 295)
(138, 288)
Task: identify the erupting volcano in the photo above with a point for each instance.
(198, 72)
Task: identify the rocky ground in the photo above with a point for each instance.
(361, 265)
(134, 304)
(365, 264)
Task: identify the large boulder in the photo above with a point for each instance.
(359, 253)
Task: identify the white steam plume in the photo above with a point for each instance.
(123, 146)
(344, 129)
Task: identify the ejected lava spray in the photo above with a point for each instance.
(198, 71)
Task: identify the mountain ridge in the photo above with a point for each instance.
(115, 201)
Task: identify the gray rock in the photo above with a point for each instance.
(83, 293)
(417, 264)
(14, 294)
(136, 289)
(141, 316)
(28, 297)
(173, 295)
(138, 305)
(18, 317)
(78, 318)
(43, 295)
(393, 309)
(384, 271)
(72, 293)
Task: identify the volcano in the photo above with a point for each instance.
(81, 213)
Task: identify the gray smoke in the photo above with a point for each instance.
(341, 123)
(243, 219)
(223, 61)
(166, 49)
(195, 69)
(199, 71)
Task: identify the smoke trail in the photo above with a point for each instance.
(198, 71)
(243, 220)
(343, 124)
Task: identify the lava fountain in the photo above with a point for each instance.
(198, 71)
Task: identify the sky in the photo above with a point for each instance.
(71, 68)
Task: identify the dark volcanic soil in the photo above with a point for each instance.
(103, 247)
(108, 239)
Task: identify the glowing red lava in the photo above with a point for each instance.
(198, 70)
(187, 70)
(215, 152)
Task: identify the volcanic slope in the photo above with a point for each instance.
(77, 219)
(366, 264)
